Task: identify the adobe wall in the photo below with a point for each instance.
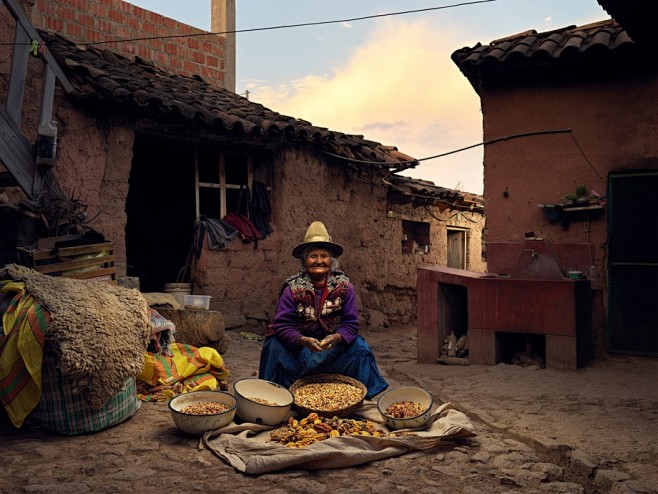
(440, 219)
(92, 21)
(93, 159)
(613, 128)
(93, 166)
(244, 279)
(607, 124)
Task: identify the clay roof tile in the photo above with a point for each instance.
(105, 75)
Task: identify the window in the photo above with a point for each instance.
(225, 180)
(415, 237)
(457, 238)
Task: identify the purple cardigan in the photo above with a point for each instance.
(284, 326)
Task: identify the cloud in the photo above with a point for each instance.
(399, 88)
(346, 25)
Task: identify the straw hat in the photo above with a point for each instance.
(318, 237)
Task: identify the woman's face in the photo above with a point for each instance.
(318, 263)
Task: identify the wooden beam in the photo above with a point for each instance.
(18, 14)
(16, 153)
(17, 73)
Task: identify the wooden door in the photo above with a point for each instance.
(633, 264)
(456, 248)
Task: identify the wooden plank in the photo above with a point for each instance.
(71, 262)
(62, 252)
(16, 153)
(18, 14)
(17, 73)
(49, 242)
(108, 274)
(47, 96)
(58, 267)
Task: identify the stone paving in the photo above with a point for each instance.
(539, 431)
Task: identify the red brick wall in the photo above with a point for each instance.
(103, 20)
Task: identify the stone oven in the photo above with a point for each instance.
(534, 306)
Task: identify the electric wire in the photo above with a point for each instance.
(271, 28)
(414, 162)
(354, 19)
(483, 143)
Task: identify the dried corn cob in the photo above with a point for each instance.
(313, 428)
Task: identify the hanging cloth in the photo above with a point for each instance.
(261, 210)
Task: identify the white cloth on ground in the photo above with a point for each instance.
(247, 447)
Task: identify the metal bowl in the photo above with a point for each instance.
(406, 393)
(259, 413)
(198, 424)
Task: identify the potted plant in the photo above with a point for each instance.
(578, 198)
(569, 200)
(582, 195)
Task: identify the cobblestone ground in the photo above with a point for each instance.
(147, 454)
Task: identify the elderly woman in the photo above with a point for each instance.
(316, 326)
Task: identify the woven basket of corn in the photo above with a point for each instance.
(329, 395)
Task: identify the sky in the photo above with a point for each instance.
(389, 78)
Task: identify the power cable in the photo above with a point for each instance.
(483, 143)
(284, 26)
(490, 141)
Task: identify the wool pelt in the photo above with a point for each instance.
(99, 330)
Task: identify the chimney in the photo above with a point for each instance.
(222, 20)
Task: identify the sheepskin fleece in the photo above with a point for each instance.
(99, 330)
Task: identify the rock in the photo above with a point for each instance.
(234, 321)
(605, 478)
(59, 488)
(634, 487)
(377, 320)
(562, 488)
(583, 463)
(259, 316)
(198, 328)
(524, 477)
(512, 460)
(552, 473)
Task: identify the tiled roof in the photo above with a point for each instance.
(533, 48)
(416, 190)
(102, 75)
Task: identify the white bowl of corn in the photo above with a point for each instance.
(261, 401)
(202, 411)
(407, 407)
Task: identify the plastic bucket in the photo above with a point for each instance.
(179, 290)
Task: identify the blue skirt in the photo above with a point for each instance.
(284, 366)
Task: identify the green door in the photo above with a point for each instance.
(633, 263)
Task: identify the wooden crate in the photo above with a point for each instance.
(92, 261)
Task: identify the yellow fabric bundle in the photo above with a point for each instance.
(21, 352)
(188, 368)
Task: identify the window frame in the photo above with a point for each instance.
(452, 230)
(222, 184)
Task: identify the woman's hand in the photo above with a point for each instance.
(331, 341)
(313, 344)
